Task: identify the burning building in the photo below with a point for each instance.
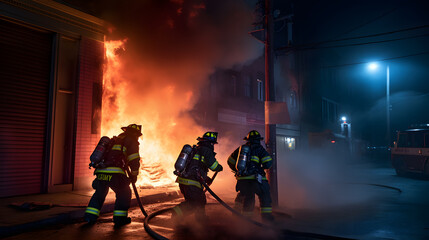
(67, 79)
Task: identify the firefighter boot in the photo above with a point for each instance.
(121, 221)
(90, 218)
(267, 217)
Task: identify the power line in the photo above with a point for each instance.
(368, 36)
(365, 43)
(351, 30)
(381, 60)
(314, 45)
(370, 21)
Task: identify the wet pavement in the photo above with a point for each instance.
(380, 205)
(31, 212)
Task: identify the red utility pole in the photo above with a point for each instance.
(270, 129)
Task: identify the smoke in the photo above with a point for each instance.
(220, 224)
(322, 179)
(406, 109)
(161, 55)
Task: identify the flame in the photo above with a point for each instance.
(159, 145)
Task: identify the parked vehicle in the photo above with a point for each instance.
(411, 152)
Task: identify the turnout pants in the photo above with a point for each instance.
(120, 184)
(246, 197)
(195, 201)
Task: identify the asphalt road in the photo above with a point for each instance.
(386, 214)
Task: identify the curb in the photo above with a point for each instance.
(77, 215)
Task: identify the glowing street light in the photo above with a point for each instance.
(373, 66)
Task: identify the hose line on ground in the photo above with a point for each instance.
(149, 230)
(137, 194)
(286, 231)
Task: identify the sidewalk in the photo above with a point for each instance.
(65, 207)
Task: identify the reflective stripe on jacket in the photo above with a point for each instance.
(188, 182)
(109, 170)
(251, 177)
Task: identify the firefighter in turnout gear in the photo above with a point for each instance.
(123, 154)
(201, 159)
(251, 177)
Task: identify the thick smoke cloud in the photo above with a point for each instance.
(170, 49)
(173, 46)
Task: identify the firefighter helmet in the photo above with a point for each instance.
(253, 135)
(133, 128)
(209, 136)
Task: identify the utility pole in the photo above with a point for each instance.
(270, 129)
(388, 106)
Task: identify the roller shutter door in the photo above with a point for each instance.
(25, 65)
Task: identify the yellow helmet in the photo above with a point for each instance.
(209, 136)
(133, 128)
(253, 135)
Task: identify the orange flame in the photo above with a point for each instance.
(161, 140)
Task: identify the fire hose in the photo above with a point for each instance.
(137, 194)
(207, 188)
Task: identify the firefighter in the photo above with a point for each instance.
(123, 154)
(202, 159)
(253, 180)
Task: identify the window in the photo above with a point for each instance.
(329, 110)
(292, 99)
(411, 140)
(290, 143)
(247, 86)
(418, 140)
(96, 108)
(260, 90)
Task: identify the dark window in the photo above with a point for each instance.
(96, 108)
(247, 86)
(411, 140)
(418, 140)
(260, 90)
(329, 110)
(403, 140)
(292, 99)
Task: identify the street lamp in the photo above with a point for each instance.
(374, 66)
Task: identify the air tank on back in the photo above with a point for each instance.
(98, 154)
(243, 156)
(182, 160)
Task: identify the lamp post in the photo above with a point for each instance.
(374, 66)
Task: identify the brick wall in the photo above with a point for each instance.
(90, 72)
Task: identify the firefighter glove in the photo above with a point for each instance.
(209, 181)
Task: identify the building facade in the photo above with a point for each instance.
(51, 85)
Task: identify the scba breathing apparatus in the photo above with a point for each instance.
(243, 159)
(98, 156)
(188, 152)
(100, 151)
(243, 166)
(183, 159)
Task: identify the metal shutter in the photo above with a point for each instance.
(25, 65)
